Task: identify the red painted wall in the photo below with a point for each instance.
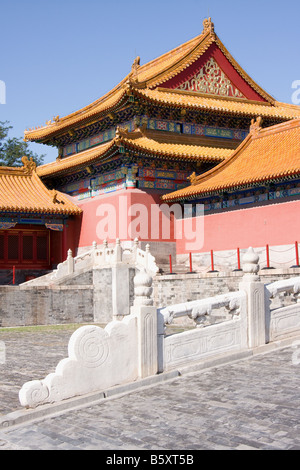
(100, 216)
(70, 236)
(124, 214)
(276, 224)
(128, 214)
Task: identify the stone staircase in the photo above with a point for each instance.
(103, 257)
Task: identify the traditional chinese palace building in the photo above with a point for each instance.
(251, 198)
(31, 223)
(147, 140)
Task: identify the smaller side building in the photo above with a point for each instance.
(35, 224)
(253, 197)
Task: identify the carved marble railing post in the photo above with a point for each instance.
(118, 251)
(70, 262)
(135, 248)
(94, 252)
(147, 325)
(255, 290)
(105, 250)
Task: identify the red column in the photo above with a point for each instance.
(268, 256)
(170, 259)
(191, 266)
(212, 260)
(239, 259)
(297, 253)
(64, 244)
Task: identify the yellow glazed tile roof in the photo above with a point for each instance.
(21, 190)
(144, 78)
(114, 97)
(117, 94)
(189, 100)
(266, 154)
(171, 63)
(138, 142)
(104, 104)
(83, 158)
(180, 151)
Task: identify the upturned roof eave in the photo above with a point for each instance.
(207, 184)
(238, 186)
(128, 142)
(22, 191)
(149, 76)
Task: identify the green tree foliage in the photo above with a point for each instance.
(13, 149)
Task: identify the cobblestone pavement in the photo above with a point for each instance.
(250, 404)
(30, 353)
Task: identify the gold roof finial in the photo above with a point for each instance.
(208, 26)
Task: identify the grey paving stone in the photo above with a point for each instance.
(250, 404)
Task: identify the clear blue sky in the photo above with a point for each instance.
(60, 55)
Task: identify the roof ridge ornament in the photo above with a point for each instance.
(192, 178)
(133, 76)
(256, 125)
(208, 26)
(29, 166)
(136, 64)
(53, 193)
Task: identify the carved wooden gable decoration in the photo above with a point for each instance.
(213, 74)
(211, 79)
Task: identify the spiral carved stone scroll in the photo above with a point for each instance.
(33, 393)
(89, 346)
(98, 359)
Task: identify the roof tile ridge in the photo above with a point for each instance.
(61, 161)
(277, 128)
(76, 159)
(196, 180)
(205, 40)
(243, 73)
(203, 100)
(8, 184)
(209, 96)
(281, 104)
(12, 171)
(208, 30)
(38, 188)
(167, 54)
(57, 120)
